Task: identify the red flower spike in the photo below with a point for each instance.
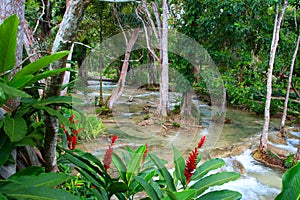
(191, 164)
(113, 139)
(201, 142)
(71, 118)
(145, 153)
(108, 158)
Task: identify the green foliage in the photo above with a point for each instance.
(38, 185)
(19, 127)
(176, 124)
(289, 161)
(201, 182)
(290, 184)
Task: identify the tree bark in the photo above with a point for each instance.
(120, 86)
(277, 24)
(163, 106)
(63, 41)
(282, 124)
(186, 106)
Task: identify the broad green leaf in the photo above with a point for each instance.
(5, 148)
(2, 197)
(34, 67)
(96, 161)
(221, 195)
(164, 172)
(121, 167)
(55, 113)
(46, 74)
(56, 100)
(290, 184)
(13, 92)
(20, 191)
(206, 167)
(147, 187)
(42, 180)
(135, 162)
(8, 43)
(15, 128)
(21, 82)
(184, 195)
(118, 187)
(179, 166)
(28, 171)
(214, 180)
(98, 194)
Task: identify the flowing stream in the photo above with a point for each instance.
(234, 143)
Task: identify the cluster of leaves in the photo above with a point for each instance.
(18, 128)
(139, 172)
(238, 36)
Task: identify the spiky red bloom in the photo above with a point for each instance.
(72, 118)
(145, 153)
(191, 164)
(108, 158)
(113, 139)
(108, 154)
(201, 142)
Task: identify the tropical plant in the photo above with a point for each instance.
(18, 126)
(290, 184)
(34, 183)
(189, 180)
(139, 173)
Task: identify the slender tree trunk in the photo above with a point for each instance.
(186, 106)
(63, 41)
(277, 24)
(282, 124)
(101, 101)
(164, 76)
(120, 86)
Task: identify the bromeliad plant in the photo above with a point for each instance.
(190, 180)
(137, 172)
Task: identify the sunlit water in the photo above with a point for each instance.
(258, 182)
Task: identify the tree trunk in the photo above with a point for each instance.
(63, 41)
(186, 106)
(164, 76)
(277, 24)
(282, 124)
(120, 86)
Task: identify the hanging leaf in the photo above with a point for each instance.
(206, 167)
(147, 187)
(21, 82)
(290, 184)
(179, 166)
(184, 195)
(13, 92)
(121, 167)
(8, 43)
(164, 172)
(15, 128)
(135, 162)
(34, 67)
(5, 148)
(214, 180)
(221, 195)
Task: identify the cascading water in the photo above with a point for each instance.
(257, 181)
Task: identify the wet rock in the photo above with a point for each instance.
(223, 152)
(238, 167)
